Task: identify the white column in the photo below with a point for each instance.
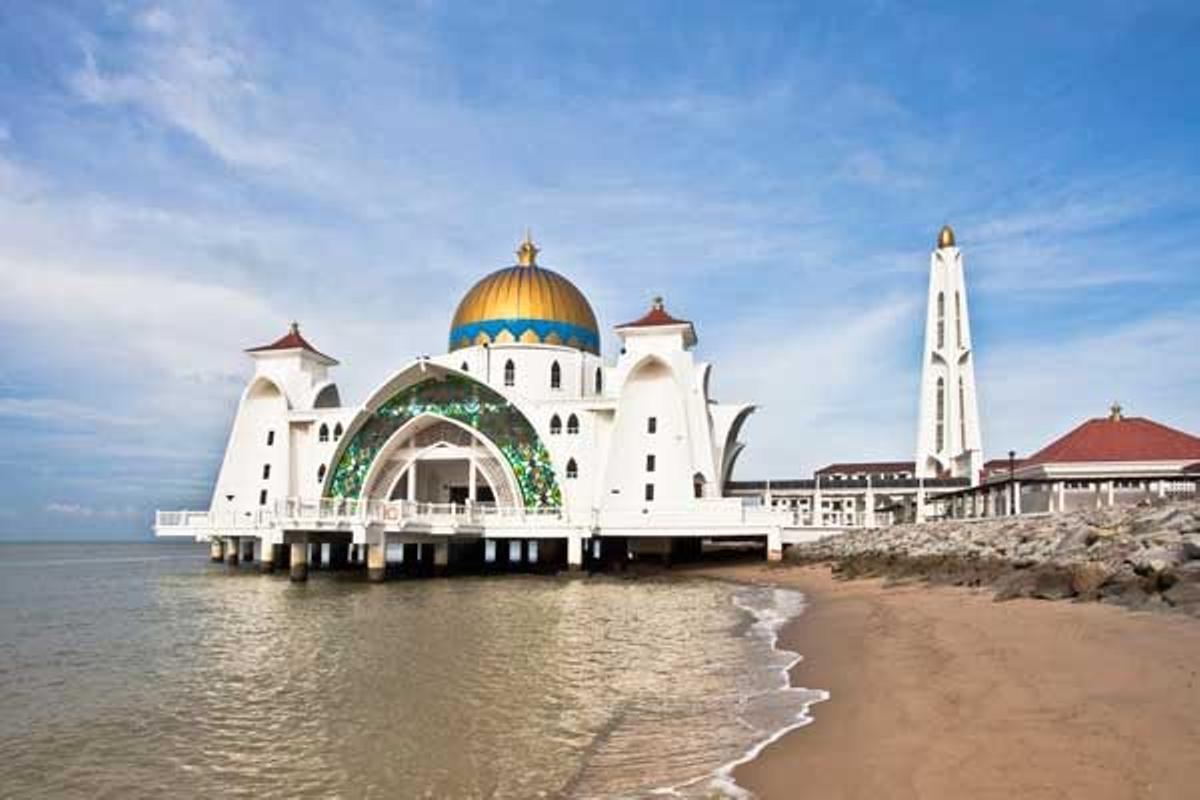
(1017, 497)
(1111, 492)
(574, 553)
(1060, 488)
(920, 517)
(869, 511)
(412, 481)
(471, 482)
(775, 546)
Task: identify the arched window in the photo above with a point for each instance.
(270, 438)
(337, 431)
(262, 497)
(555, 376)
(510, 373)
(266, 472)
(572, 424)
(599, 381)
(941, 320)
(572, 469)
(555, 425)
(464, 367)
(941, 414)
(321, 474)
(958, 317)
(323, 433)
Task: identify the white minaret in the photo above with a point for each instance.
(948, 439)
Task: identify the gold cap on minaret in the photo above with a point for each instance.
(1115, 412)
(946, 237)
(527, 252)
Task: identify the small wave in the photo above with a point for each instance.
(770, 608)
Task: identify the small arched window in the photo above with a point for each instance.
(321, 474)
(599, 381)
(266, 472)
(510, 373)
(572, 424)
(323, 433)
(941, 320)
(337, 431)
(464, 367)
(270, 438)
(555, 376)
(962, 414)
(572, 469)
(555, 425)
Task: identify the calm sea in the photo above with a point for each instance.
(142, 670)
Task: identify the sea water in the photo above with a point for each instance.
(143, 670)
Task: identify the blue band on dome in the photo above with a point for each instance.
(542, 328)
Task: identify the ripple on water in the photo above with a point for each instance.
(151, 672)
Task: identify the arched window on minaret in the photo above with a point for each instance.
(958, 317)
(321, 474)
(572, 424)
(941, 322)
(338, 431)
(599, 381)
(323, 433)
(555, 376)
(465, 367)
(510, 373)
(941, 415)
(572, 469)
(962, 414)
(555, 425)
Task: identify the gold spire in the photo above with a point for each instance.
(527, 252)
(294, 327)
(945, 237)
(657, 302)
(1115, 412)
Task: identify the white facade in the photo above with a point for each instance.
(948, 436)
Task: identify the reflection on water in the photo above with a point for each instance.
(143, 670)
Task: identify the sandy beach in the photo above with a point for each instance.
(944, 693)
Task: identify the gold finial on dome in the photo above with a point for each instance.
(1115, 412)
(527, 252)
(657, 302)
(294, 327)
(946, 237)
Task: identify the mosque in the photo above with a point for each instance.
(523, 448)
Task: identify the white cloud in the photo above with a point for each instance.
(76, 510)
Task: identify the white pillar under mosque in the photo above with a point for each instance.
(948, 435)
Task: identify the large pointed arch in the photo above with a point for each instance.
(425, 388)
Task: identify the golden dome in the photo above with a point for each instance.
(525, 303)
(946, 237)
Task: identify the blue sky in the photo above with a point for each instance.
(178, 182)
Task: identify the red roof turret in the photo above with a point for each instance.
(292, 340)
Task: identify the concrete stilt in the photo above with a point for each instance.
(232, 551)
(441, 558)
(774, 546)
(377, 562)
(266, 558)
(574, 553)
(216, 549)
(299, 568)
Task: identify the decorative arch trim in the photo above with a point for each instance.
(460, 399)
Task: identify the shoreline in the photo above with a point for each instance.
(940, 692)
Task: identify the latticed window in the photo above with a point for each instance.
(941, 414)
(510, 373)
(572, 424)
(555, 376)
(941, 320)
(572, 469)
(555, 425)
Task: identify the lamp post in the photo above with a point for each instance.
(1012, 494)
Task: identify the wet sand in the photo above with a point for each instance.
(944, 693)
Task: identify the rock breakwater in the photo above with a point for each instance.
(1142, 557)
